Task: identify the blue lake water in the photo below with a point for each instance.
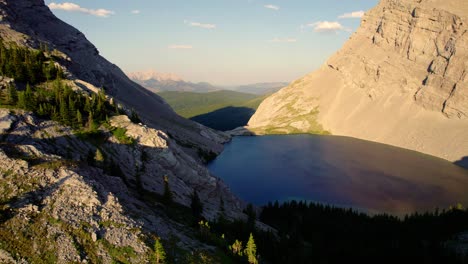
(339, 171)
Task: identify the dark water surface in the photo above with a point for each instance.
(340, 171)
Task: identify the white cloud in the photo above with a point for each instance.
(355, 14)
(71, 7)
(327, 26)
(135, 12)
(180, 47)
(287, 40)
(273, 7)
(200, 25)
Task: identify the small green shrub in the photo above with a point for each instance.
(120, 134)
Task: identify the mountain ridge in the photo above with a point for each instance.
(170, 82)
(32, 24)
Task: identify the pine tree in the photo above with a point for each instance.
(65, 118)
(12, 95)
(21, 100)
(72, 107)
(134, 117)
(251, 250)
(90, 121)
(167, 195)
(98, 157)
(29, 98)
(159, 253)
(79, 118)
(88, 105)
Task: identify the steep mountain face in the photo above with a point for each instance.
(86, 195)
(401, 79)
(164, 82)
(31, 23)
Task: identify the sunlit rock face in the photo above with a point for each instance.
(401, 79)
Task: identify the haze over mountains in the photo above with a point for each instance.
(401, 79)
(170, 82)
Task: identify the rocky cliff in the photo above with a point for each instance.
(401, 79)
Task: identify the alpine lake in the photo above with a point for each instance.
(339, 171)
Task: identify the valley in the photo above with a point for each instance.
(221, 110)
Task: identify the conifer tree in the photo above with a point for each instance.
(72, 106)
(12, 95)
(65, 118)
(251, 250)
(134, 117)
(159, 253)
(29, 97)
(90, 121)
(79, 118)
(98, 157)
(21, 100)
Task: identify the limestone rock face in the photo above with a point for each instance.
(401, 79)
(31, 23)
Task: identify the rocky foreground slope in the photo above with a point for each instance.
(61, 202)
(90, 194)
(402, 79)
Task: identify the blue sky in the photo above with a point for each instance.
(224, 42)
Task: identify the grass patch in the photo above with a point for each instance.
(125, 255)
(107, 224)
(57, 164)
(284, 126)
(120, 134)
(29, 240)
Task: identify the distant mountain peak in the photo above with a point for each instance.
(154, 75)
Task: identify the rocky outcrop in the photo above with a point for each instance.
(30, 23)
(401, 79)
(144, 163)
(81, 210)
